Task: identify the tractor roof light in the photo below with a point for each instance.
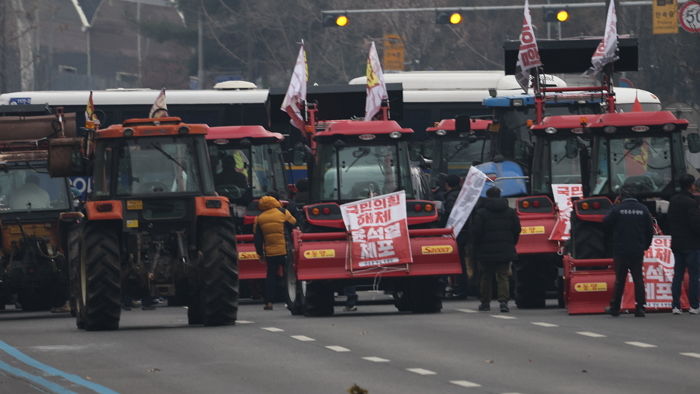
(609, 129)
(395, 134)
(640, 129)
(221, 141)
(577, 130)
(367, 137)
(183, 130)
(550, 130)
(440, 132)
(517, 102)
(668, 127)
(128, 132)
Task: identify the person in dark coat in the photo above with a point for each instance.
(452, 189)
(495, 231)
(632, 229)
(684, 223)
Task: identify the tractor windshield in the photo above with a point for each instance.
(148, 166)
(557, 161)
(645, 161)
(348, 173)
(455, 156)
(30, 188)
(247, 172)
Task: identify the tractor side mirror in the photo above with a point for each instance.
(693, 142)
(462, 123)
(66, 157)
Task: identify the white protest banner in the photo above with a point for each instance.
(562, 197)
(466, 200)
(658, 276)
(379, 231)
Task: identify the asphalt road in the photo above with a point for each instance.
(379, 349)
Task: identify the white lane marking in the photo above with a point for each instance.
(505, 317)
(640, 344)
(337, 348)
(60, 348)
(302, 338)
(465, 383)
(272, 329)
(375, 359)
(544, 324)
(244, 322)
(421, 371)
(465, 310)
(696, 355)
(590, 334)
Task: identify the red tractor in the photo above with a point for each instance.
(354, 160)
(641, 149)
(154, 224)
(247, 164)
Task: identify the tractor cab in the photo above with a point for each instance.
(355, 160)
(641, 148)
(459, 143)
(247, 164)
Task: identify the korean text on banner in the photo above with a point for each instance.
(658, 276)
(528, 53)
(466, 200)
(378, 230)
(562, 197)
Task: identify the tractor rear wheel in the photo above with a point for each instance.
(100, 278)
(425, 294)
(293, 289)
(219, 273)
(530, 283)
(73, 266)
(588, 240)
(318, 299)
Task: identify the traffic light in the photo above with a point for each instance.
(556, 15)
(335, 20)
(448, 17)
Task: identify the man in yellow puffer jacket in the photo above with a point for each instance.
(271, 240)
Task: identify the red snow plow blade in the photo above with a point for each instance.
(537, 219)
(325, 256)
(589, 284)
(249, 265)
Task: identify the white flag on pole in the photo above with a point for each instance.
(606, 52)
(466, 200)
(159, 109)
(376, 88)
(528, 53)
(296, 92)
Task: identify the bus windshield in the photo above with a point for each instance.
(644, 161)
(351, 173)
(32, 189)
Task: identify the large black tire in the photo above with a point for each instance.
(72, 251)
(100, 278)
(293, 289)
(587, 240)
(530, 282)
(425, 294)
(318, 299)
(218, 272)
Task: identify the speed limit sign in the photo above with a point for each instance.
(689, 17)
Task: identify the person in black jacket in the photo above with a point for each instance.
(632, 228)
(684, 223)
(495, 231)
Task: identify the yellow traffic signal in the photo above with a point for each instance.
(448, 17)
(562, 15)
(335, 20)
(342, 20)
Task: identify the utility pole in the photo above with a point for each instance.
(25, 45)
(200, 50)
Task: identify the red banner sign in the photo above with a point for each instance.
(378, 231)
(658, 276)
